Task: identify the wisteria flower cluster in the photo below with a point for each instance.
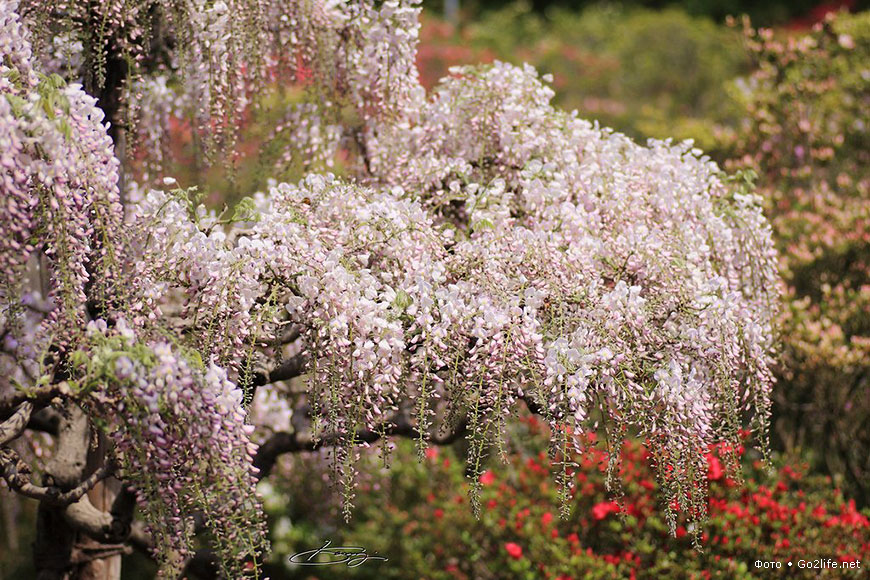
(217, 58)
(225, 51)
(59, 184)
(179, 433)
(534, 256)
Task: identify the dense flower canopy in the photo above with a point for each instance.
(491, 249)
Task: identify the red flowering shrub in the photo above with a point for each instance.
(514, 550)
(419, 519)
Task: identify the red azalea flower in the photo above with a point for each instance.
(715, 470)
(546, 519)
(515, 551)
(601, 510)
(487, 478)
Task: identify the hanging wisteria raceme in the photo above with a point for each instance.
(60, 184)
(535, 257)
(217, 58)
(307, 139)
(350, 53)
(179, 433)
(155, 104)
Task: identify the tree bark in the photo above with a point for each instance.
(102, 497)
(55, 537)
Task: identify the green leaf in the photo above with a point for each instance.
(18, 105)
(48, 105)
(79, 358)
(245, 211)
(195, 359)
(65, 129)
(482, 224)
(403, 300)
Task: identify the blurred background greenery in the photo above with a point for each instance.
(768, 13)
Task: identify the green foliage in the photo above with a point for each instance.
(766, 13)
(646, 73)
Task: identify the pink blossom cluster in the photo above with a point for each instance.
(155, 103)
(180, 434)
(534, 255)
(59, 181)
(219, 43)
(217, 58)
(359, 52)
(647, 281)
(310, 140)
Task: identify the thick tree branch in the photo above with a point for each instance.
(286, 338)
(91, 552)
(102, 526)
(533, 405)
(39, 396)
(84, 517)
(289, 369)
(15, 425)
(55, 536)
(15, 471)
(282, 442)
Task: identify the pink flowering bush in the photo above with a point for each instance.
(806, 137)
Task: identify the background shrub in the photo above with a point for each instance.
(646, 73)
(805, 131)
(418, 515)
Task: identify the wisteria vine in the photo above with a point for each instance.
(491, 251)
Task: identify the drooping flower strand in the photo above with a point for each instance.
(180, 434)
(217, 56)
(60, 177)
